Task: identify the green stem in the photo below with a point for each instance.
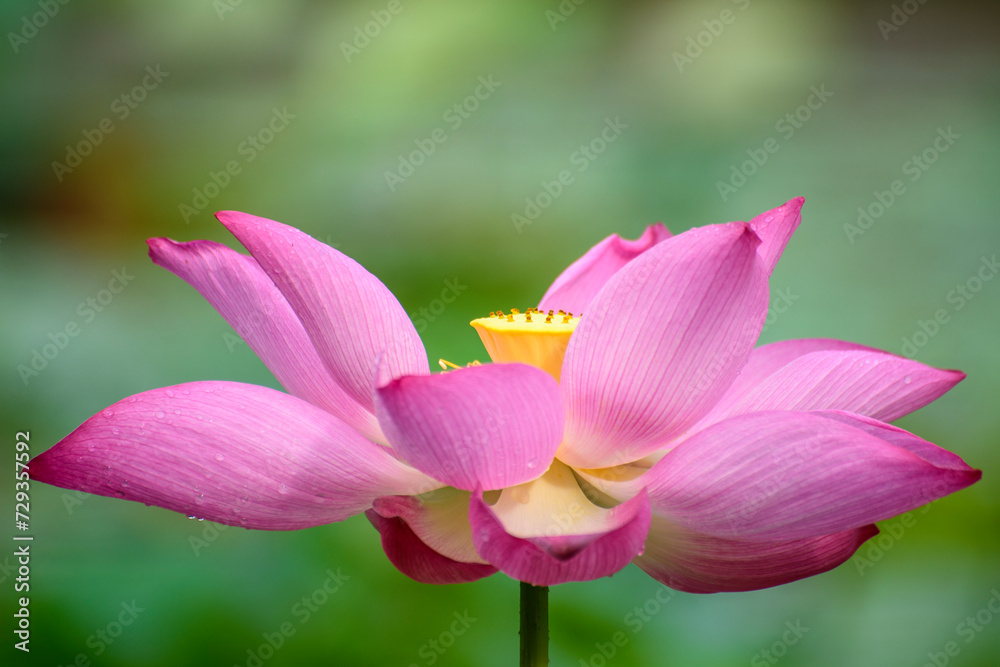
(534, 625)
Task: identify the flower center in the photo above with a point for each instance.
(533, 337)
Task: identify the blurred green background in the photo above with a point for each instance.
(309, 114)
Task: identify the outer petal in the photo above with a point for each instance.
(573, 290)
(350, 316)
(898, 437)
(768, 359)
(234, 453)
(246, 297)
(662, 341)
(555, 557)
(876, 384)
(788, 476)
(699, 563)
(417, 560)
(485, 426)
(775, 227)
(439, 518)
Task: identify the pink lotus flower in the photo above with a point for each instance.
(649, 430)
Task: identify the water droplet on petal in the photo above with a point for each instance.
(191, 516)
(532, 463)
(282, 488)
(201, 518)
(220, 457)
(200, 498)
(160, 414)
(170, 393)
(108, 413)
(907, 380)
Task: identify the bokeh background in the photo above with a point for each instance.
(696, 93)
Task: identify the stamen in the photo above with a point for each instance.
(445, 364)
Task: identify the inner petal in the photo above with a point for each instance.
(439, 518)
(551, 506)
(533, 337)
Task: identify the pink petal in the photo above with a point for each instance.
(249, 301)
(549, 560)
(440, 519)
(872, 383)
(234, 453)
(775, 227)
(417, 560)
(768, 359)
(898, 437)
(573, 290)
(790, 475)
(699, 563)
(485, 426)
(662, 341)
(349, 314)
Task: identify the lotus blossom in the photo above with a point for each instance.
(626, 418)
